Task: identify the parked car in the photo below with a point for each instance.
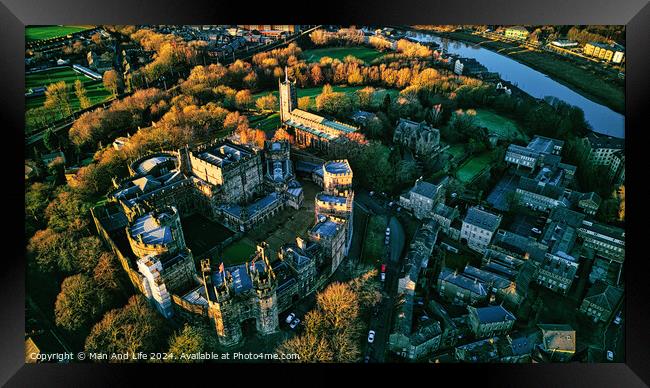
(290, 317)
(294, 323)
(536, 231)
(383, 267)
(372, 193)
(617, 320)
(366, 359)
(371, 336)
(383, 276)
(610, 355)
(391, 203)
(388, 231)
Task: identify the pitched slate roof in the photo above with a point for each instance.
(605, 295)
(483, 219)
(492, 314)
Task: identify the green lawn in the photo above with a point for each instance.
(474, 166)
(265, 123)
(236, 253)
(315, 91)
(34, 33)
(94, 88)
(373, 243)
(498, 124)
(364, 53)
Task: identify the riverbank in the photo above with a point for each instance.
(556, 67)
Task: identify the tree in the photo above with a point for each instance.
(309, 347)
(56, 97)
(282, 134)
(112, 81)
(304, 102)
(50, 140)
(36, 200)
(66, 211)
(78, 303)
(244, 99)
(190, 340)
(133, 328)
(267, 103)
(105, 272)
(339, 304)
(80, 92)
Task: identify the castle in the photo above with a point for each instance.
(238, 187)
(311, 130)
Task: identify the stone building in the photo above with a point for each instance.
(601, 302)
(460, 289)
(331, 235)
(423, 197)
(534, 153)
(310, 130)
(336, 201)
(417, 258)
(419, 137)
(607, 241)
(478, 228)
(558, 342)
(242, 292)
(490, 321)
(557, 272)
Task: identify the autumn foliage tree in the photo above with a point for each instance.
(78, 303)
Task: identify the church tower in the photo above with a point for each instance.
(288, 96)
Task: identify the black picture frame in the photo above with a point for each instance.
(635, 14)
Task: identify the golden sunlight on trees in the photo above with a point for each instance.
(621, 209)
(56, 98)
(333, 328)
(267, 103)
(80, 92)
(112, 81)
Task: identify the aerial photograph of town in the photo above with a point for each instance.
(325, 193)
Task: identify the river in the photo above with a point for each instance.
(601, 118)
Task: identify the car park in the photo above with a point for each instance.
(371, 336)
(290, 317)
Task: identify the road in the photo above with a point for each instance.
(381, 320)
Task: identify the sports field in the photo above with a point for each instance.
(470, 169)
(35, 33)
(94, 88)
(364, 53)
(498, 124)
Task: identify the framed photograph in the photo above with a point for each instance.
(390, 189)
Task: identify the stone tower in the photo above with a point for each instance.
(221, 304)
(288, 97)
(264, 286)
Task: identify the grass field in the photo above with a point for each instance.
(94, 89)
(202, 234)
(498, 124)
(373, 243)
(35, 33)
(315, 91)
(265, 123)
(364, 53)
(236, 253)
(474, 166)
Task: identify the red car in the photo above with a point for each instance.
(383, 268)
